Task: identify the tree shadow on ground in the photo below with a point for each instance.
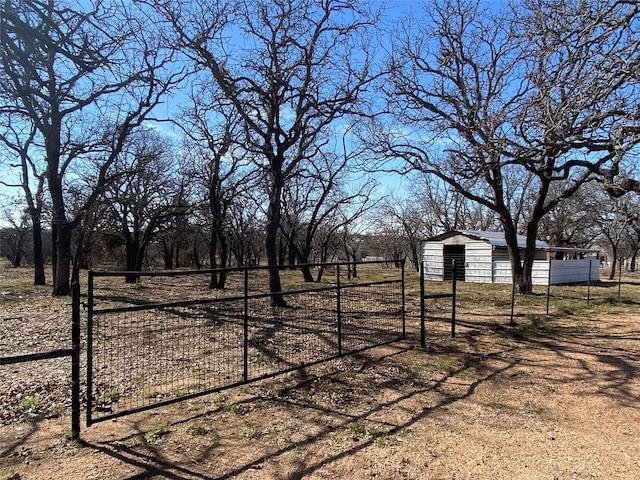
(295, 397)
(447, 371)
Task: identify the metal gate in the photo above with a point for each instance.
(143, 352)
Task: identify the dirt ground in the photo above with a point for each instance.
(548, 398)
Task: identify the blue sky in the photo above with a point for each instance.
(392, 183)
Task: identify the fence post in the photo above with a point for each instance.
(75, 361)
(513, 298)
(549, 285)
(453, 298)
(89, 348)
(245, 328)
(589, 285)
(619, 277)
(422, 326)
(404, 324)
(339, 308)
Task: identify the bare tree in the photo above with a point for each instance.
(68, 71)
(246, 230)
(219, 164)
(442, 208)
(291, 69)
(32, 182)
(501, 103)
(571, 223)
(15, 233)
(404, 217)
(317, 196)
(328, 244)
(144, 197)
(613, 219)
(352, 239)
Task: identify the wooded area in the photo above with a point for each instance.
(196, 133)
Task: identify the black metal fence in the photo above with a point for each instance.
(453, 303)
(73, 352)
(143, 353)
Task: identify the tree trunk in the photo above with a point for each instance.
(303, 260)
(38, 257)
(61, 283)
(218, 279)
(306, 273)
(167, 254)
(16, 256)
(323, 259)
(213, 256)
(62, 248)
(524, 281)
(526, 284)
(614, 262)
(355, 271)
(54, 254)
(511, 237)
(85, 254)
(415, 257)
(63, 229)
(292, 256)
(133, 256)
(282, 251)
(271, 243)
(224, 256)
(195, 256)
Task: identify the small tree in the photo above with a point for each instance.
(14, 235)
(246, 230)
(318, 196)
(144, 196)
(613, 221)
(32, 182)
(219, 165)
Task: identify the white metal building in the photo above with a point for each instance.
(482, 257)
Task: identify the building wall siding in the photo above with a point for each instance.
(573, 271)
(485, 263)
(478, 262)
(539, 274)
(433, 258)
(562, 271)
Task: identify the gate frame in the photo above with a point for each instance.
(424, 296)
(245, 297)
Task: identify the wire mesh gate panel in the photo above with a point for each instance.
(151, 354)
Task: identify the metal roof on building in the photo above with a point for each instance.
(497, 239)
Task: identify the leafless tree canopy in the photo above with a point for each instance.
(80, 77)
(502, 102)
(506, 111)
(292, 69)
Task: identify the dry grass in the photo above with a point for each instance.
(551, 397)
